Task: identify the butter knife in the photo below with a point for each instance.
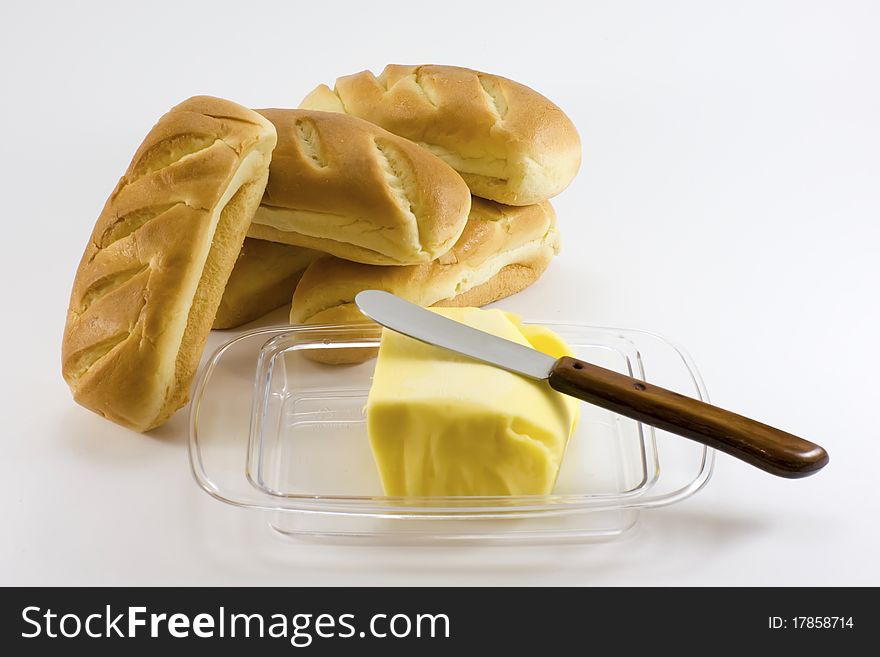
(758, 444)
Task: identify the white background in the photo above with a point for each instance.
(729, 199)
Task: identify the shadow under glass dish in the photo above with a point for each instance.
(301, 447)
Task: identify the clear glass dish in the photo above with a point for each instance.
(272, 429)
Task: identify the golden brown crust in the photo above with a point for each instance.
(347, 187)
(509, 143)
(507, 282)
(263, 279)
(154, 269)
(502, 251)
(495, 237)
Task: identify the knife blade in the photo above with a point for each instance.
(765, 447)
(416, 322)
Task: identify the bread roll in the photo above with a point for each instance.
(502, 251)
(154, 269)
(344, 186)
(264, 278)
(508, 142)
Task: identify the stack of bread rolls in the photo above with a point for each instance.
(430, 182)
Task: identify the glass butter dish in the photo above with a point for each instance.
(274, 430)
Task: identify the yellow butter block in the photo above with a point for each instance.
(441, 424)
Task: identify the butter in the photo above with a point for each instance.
(441, 424)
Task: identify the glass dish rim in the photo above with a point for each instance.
(452, 508)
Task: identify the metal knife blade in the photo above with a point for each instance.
(423, 325)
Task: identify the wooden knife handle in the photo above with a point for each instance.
(770, 449)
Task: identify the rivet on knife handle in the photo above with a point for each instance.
(769, 449)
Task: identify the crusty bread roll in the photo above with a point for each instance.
(503, 250)
(508, 142)
(347, 187)
(264, 278)
(154, 270)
